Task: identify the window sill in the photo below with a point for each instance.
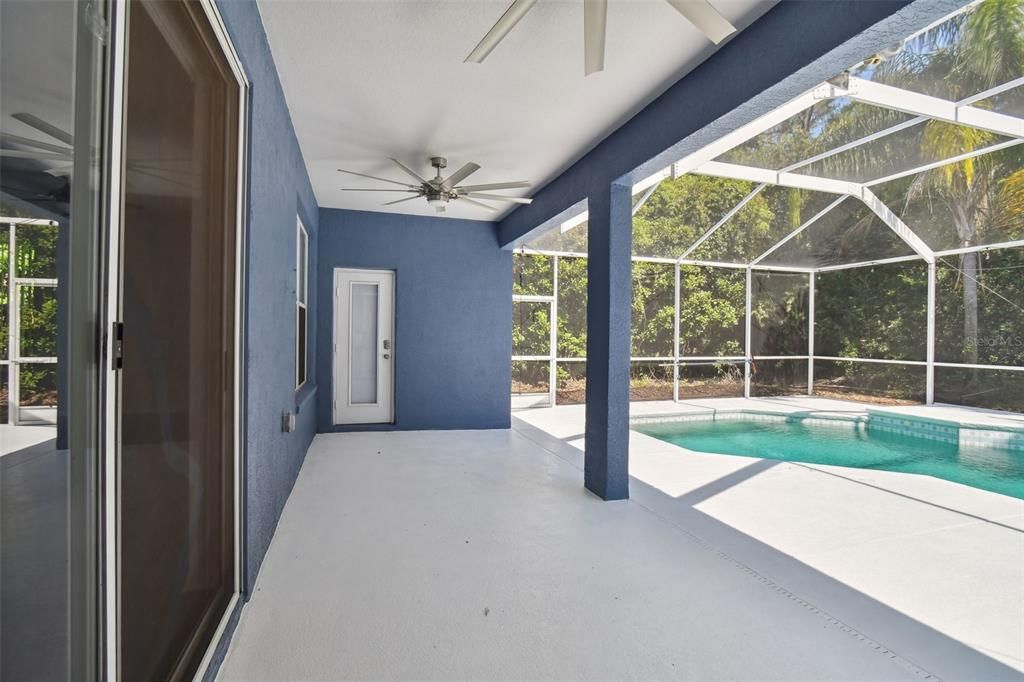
(303, 394)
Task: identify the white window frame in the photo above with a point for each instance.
(301, 300)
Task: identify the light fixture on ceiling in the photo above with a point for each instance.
(440, 190)
(700, 13)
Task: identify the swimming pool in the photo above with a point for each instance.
(850, 445)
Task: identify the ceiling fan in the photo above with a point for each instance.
(440, 190)
(20, 147)
(700, 13)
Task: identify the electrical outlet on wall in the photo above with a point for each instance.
(287, 422)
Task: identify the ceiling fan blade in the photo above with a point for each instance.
(410, 172)
(376, 189)
(516, 11)
(595, 20)
(701, 14)
(32, 154)
(374, 177)
(461, 174)
(44, 127)
(481, 204)
(519, 184)
(497, 197)
(28, 142)
(398, 201)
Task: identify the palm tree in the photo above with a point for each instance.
(967, 55)
(989, 52)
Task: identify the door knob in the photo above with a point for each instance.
(387, 356)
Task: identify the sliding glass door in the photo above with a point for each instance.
(177, 388)
(53, 78)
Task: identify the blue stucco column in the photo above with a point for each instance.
(609, 300)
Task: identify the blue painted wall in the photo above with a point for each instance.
(453, 315)
(279, 190)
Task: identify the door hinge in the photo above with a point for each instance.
(117, 356)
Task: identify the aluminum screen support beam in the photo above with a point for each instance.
(609, 310)
(675, 345)
(13, 342)
(887, 216)
(929, 391)
(747, 334)
(806, 182)
(810, 333)
(869, 263)
(918, 104)
(765, 176)
(652, 180)
(553, 340)
(910, 123)
(644, 197)
(745, 132)
(945, 162)
(726, 218)
(644, 185)
(810, 221)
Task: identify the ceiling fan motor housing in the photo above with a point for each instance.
(438, 193)
(440, 190)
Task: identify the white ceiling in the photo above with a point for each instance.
(369, 79)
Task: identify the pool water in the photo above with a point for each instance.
(996, 470)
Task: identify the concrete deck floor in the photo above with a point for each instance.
(458, 555)
(33, 554)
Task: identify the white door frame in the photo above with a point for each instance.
(383, 411)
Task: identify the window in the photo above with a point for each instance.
(301, 292)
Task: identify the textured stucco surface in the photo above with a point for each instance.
(796, 45)
(279, 190)
(453, 315)
(609, 314)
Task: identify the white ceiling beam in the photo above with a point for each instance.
(889, 97)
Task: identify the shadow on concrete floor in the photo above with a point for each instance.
(919, 647)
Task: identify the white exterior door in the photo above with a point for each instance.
(364, 350)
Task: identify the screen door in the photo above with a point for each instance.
(178, 311)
